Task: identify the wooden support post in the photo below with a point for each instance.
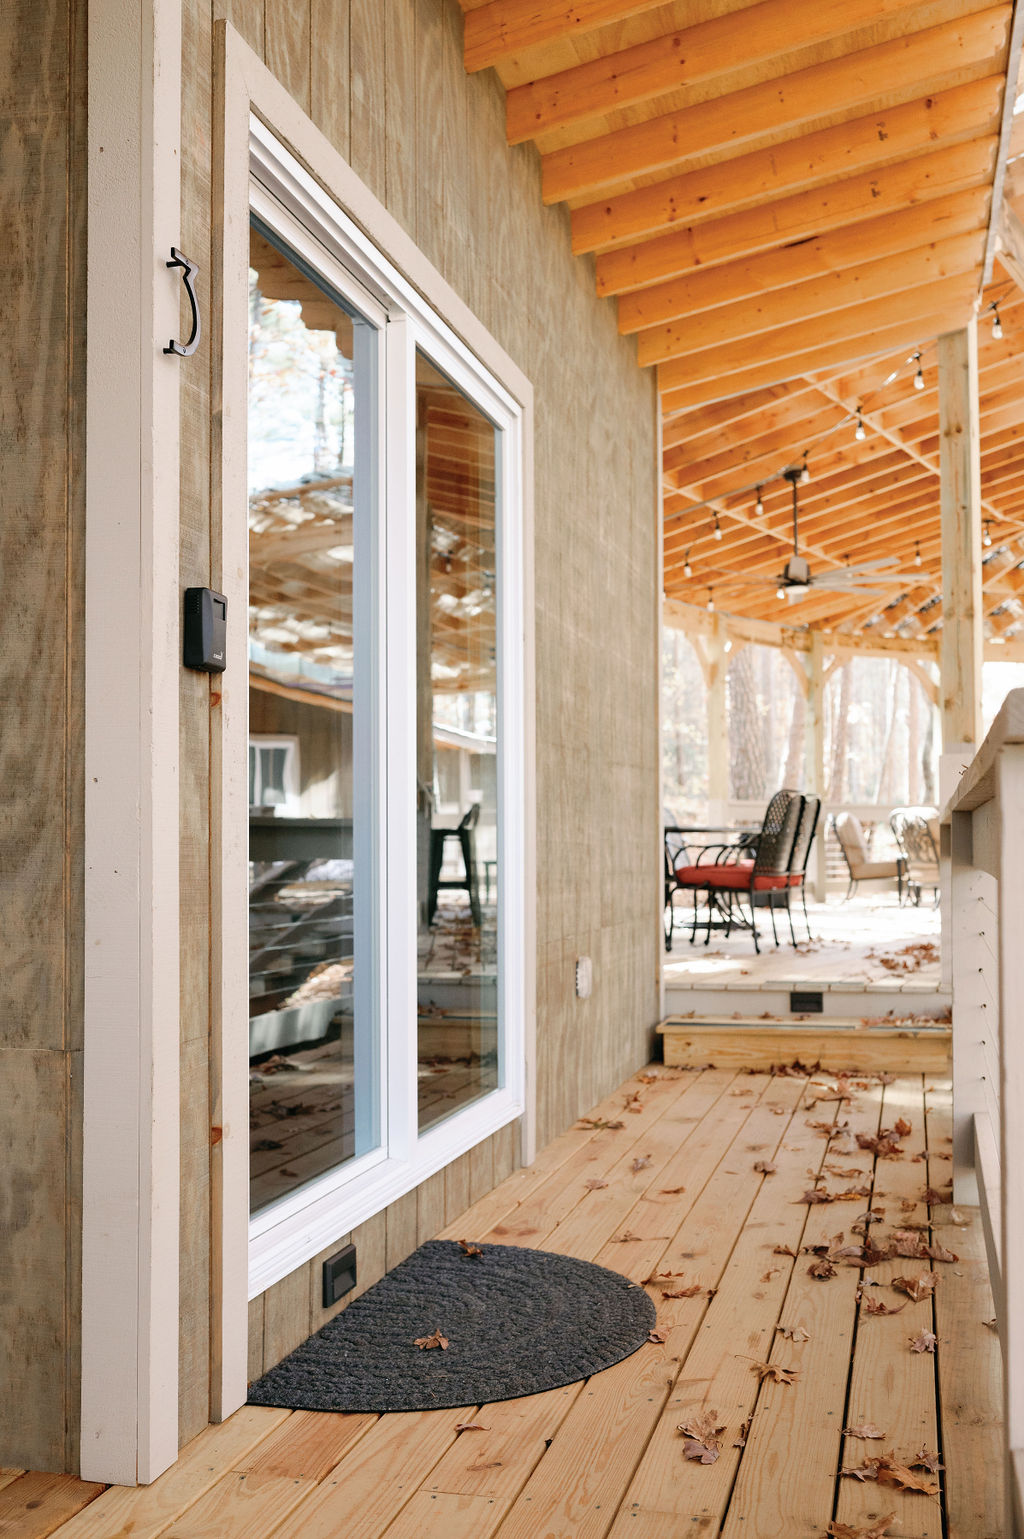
(815, 755)
(961, 642)
(715, 672)
(960, 468)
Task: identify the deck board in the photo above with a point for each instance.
(604, 1460)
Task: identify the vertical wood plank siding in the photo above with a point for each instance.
(383, 81)
(42, 357)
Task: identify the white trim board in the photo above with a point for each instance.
(130, 1156)
(254, 110)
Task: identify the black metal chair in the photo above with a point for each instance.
(912, 830)
(466, 836)
(806, 829)
(762, 880)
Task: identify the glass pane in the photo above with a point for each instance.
(313, 1060)
(457, 727)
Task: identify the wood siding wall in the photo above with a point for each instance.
(384, 81)
(42, 311)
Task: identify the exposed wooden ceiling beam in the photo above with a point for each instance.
(774, 110)
(744, 278)
(1009, 246)
(956, 168)
(811, 305)
(704, 51)
(780, 171)
(502, 28)
(1011, 70)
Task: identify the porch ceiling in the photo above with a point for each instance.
(791, 200)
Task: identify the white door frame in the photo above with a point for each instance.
(129, 1398)
(245, 89)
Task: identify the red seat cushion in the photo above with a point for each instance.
(729, 878)
(796, 879)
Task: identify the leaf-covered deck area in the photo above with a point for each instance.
(738, 1197)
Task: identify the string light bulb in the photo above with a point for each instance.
(860, 432)
(986, 536)
(917, 553)
(717, 529)
(805, 472)
(780, 593)
(759, 505)
(711, 600)
(919, 376)
(687, 568)
(997, 325)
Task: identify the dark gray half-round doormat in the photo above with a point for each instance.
(517, 1322)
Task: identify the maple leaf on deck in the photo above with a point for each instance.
(821, 1269)
(853, 1193)
(938, 1252)
(902, 1127)
(817, 1194)
(641, 1162)
(793, 1332)
(844, 1173)
(741, 1441)
(469, 1249)
(776, 1374)
(908, 1242)
(597, 1124)
(879, 1530)
(866, 1429)
(888, 1471)
(878, 1307)
(765, 1167)
(436, 1340)
(471, 1426)
(634, 1104)
(784, 1250)
(657, 1337)
(917, 1288)
(701, 1434)
(594, 1185)
(689, 1292)
(925, 1342)
(926, 1461)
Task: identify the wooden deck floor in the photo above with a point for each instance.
(669, 1187)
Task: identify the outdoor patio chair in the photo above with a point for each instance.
(726, 874)
(465, 834)
(806, 829)
(676, 854)
(850, 836)
(915, 830)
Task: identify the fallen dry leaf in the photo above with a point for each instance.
(641, 1162)
(469, 1249)
(817, 1194)
(766, 1167)
(879, 1530)
(917, 1288)
(626, 1236)
(436, 1340)
(701, 1434)
(689, 1292)
(774, 1373)
(741, 1441)
(933, 1196)
(784, 1250)
(902, 1127)
(671, 1191)
(853, 1194)
(648, 1076)
(925, 1342)
(634, 1104)
(656, 1336)
(877, 1307)
(866, 1429)
(907, 1242)
(926, 1461)
(599, 1124)
(471, 1426)
(793, 1332)
(938, 1252)
(844, 1173)
(594, 1185)
(821, 1269)
(887, 1471)
(773, 1271)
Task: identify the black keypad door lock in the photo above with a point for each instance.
(206, 628)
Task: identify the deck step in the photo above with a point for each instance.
(832, 1043)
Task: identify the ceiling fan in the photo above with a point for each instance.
(796, 578)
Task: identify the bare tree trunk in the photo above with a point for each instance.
(913, 739)
(883, 788)
(793, 771)
(927, 774)
(840, 738)
(746, 738)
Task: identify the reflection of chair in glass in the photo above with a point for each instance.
(465, 834)
(915, 830)
(850, 834)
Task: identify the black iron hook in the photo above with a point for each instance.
(189, 270)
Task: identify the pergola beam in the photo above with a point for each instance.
(503, 28)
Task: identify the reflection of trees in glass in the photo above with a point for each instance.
(300, 395)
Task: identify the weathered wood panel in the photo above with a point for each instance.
(42, 399)
(387, 87)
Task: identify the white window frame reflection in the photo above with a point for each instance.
(297, 1226)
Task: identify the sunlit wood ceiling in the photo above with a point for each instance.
(789, 201)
